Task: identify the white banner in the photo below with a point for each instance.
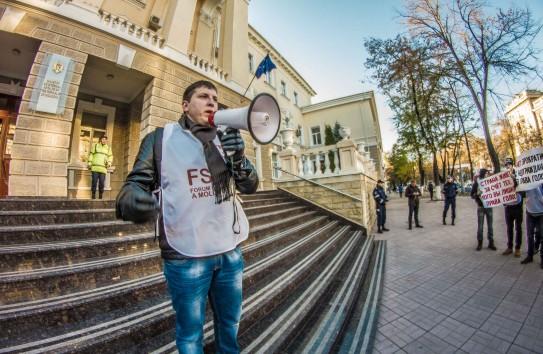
(497, 189)
(529, 169)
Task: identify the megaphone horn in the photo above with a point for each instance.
(261, 118)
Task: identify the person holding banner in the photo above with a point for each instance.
(449, 191)
(513, 215)
(482, 213)
(534, 219)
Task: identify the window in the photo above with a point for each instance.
(269, 77)
(251, 63)
(296, 99)
(283, 88)
(93, 126)
(316, 138)
(275, 163)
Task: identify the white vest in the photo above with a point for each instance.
(194, 225)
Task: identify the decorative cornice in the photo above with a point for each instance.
(205, 18)
(339, 101)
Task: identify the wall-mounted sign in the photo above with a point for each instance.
(51, 87)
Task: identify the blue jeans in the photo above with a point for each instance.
(190, 282)
(481, 213)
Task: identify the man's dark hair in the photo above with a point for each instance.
(189, 91)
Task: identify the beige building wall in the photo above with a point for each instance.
(525, 122)
(356, 112)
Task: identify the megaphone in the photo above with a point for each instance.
(261, 118)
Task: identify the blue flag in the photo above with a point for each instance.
(265, 66)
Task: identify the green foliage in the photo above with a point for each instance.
(329, 138)
(337, 128)
(400, 167)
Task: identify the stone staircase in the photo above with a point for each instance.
(75, 280)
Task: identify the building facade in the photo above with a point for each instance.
(524, 113)
(72, 70)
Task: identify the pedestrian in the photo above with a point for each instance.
(482, 213)
(449, 191)
(381, 201)
(400, 189)
(431, 189)
(100, 159)
(534, 219)
(412, 192)
(513, 215)
(201, 222)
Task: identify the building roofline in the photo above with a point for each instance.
(369, 95)
(279, 59)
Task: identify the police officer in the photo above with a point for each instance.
(449, 191)
(381, 201)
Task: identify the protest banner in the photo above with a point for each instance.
(529, 169)
(497, 189)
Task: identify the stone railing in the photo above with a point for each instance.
(139, 33)
(315, 162)
(210, 68)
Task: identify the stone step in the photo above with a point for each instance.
(44, 217)
(11, 235)
(36, 255)
(273, 332)
(327, 322)
(115, 330)
(276, 215)
(77, 305)
(359, 331)
(31, 284)
(34, 204)
(266, 208)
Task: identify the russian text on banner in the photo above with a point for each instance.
(529, 169)
(497, 189)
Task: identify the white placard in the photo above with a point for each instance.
(530, 169)
(497, 189)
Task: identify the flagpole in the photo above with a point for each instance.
(249, 84)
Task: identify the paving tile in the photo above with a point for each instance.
(501, 327)
(429, 343)
(513, 311)
(484, 302)
(521, 297)
(482, 342)
(425, 317)
(495, 290)
(453, 332)
(471, 315)
(519, 350)
(401, 332)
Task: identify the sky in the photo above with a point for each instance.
(324, 41)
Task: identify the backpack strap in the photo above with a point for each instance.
(157, 157)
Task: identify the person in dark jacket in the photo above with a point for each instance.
(400, 189)
(412, 192)
(431, 189)
(513, 216)
(194, 168)
(381, 201)
(482, 213)
(449, 191)
(534, 220)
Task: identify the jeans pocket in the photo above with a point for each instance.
(177, 261)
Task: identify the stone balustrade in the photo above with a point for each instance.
(210, 68)
(139, 33)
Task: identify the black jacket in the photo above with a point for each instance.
(409, 193)
(379, 195)
(474, 189)
(450, 190)
(146, 176)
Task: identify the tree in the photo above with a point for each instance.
(399, 167)
(477, 46)
(337, 128)
(330, 139)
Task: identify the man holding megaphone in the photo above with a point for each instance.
(194, 168)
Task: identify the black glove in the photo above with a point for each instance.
(139, 206)
(232, 144)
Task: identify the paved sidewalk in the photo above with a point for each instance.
(442, 296)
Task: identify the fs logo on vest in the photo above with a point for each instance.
(197, 177)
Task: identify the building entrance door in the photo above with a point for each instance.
(9, 106)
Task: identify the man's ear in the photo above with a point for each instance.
(184, 105)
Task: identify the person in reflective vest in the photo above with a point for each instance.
(100, 159)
